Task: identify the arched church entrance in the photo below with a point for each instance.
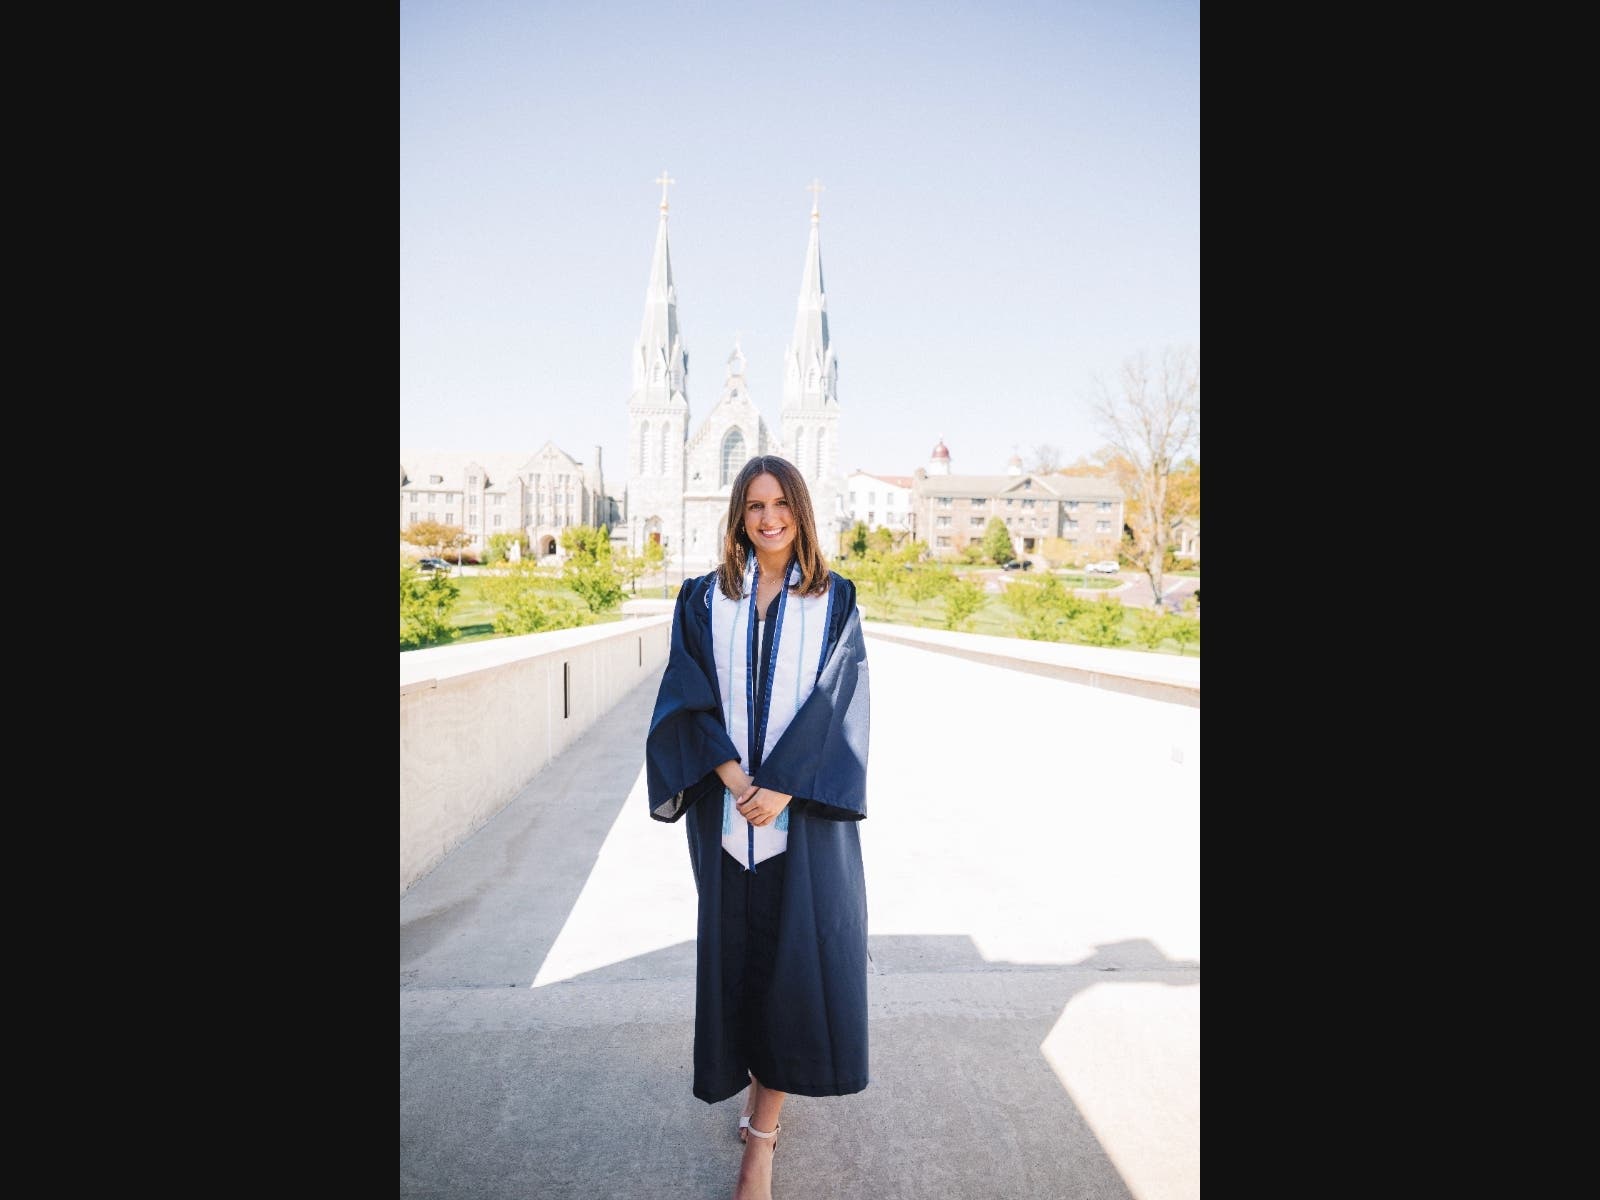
(547, 545)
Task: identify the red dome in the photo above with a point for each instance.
(939, 451)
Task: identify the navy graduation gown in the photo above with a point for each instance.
(816, 1014)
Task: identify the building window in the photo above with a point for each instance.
(944, 501)
(413, 519)
(872, 497)
(1105, 506)
(818, 464)
(944, 541)
(976, 522)
(980, 502)
(1102, 526)
(472, 502)
(888, 499)
(733, 456)
(852, 501)
(644, 447)
(499, 498)
(942, 522)
(473, 524)
(1025, 503)
(472, 481)
(431, 517)
(497, 520)
(1072, 504)
(435, 478)
(871, 516)
(665, 429)
(1072, 522)
(411, 496)
(449, 518)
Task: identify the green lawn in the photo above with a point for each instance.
(993, 618)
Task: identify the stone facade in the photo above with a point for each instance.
(949, 511)
(540, 495)
(678, 478)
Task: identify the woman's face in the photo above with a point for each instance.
(768, 522)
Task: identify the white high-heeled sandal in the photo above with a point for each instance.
(744, 1117)
(776, 1129)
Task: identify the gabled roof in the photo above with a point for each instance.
(904, 481)
(1065, 487)
(501, 469)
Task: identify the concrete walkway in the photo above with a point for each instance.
(1032, 859)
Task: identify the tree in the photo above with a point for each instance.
(1099, 623)
(425, 605)
(1047, 609)
(596, 584)
(589, 570)
(925, 581)
(997, 541)
(629, 567)
(1058, 552)
(856, 540)
(1150, 421)
(432, 536)
(881, 540)
(1182, 629)
(1046, 459)
(523, 601)
(499, 549)
(961, 599)
(586, 544)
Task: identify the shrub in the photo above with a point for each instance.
(425, 604)
(1100, 622)
(962, 598)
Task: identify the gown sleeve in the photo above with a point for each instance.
(687, 740)
(821, 759)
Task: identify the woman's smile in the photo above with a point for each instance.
(767, 520)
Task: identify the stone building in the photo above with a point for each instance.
(949, 510)
(678, 476)
(487, 494)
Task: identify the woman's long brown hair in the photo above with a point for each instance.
(736, 548)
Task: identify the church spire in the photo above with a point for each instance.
(660, 366)
(811, 375)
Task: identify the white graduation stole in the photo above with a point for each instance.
(798, 637)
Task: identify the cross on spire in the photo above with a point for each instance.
(665, 181)
(814, 187)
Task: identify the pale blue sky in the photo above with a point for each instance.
(1012, 206)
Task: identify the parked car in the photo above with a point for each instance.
(1106, 567)
(433, 564)
(1014, 565)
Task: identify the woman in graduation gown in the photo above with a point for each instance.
(759, 738)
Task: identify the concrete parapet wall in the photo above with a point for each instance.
(477, 722)
(1165, 677)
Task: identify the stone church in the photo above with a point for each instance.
(678, 476)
